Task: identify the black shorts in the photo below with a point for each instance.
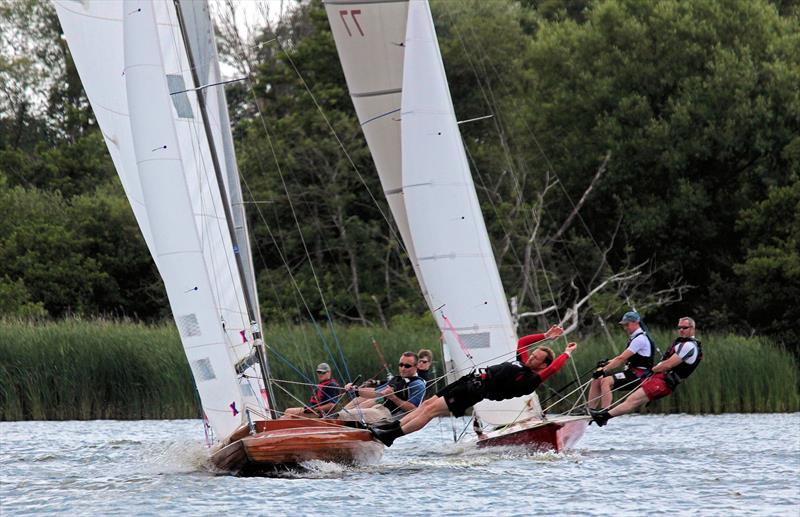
(626, 380)
(462, 394)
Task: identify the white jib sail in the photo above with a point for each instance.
(446, 224)
(172, 190)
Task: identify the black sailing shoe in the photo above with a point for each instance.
(599, 417)
(387, 433)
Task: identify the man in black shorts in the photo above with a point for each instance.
(498, 382)
(637, 358)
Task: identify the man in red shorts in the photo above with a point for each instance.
(682, 358)
(498, 382)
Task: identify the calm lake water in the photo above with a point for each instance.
(684, 465)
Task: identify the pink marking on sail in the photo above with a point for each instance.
(458, 338)
(244, 336)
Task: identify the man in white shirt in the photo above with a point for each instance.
(682, 358)
(637, 358)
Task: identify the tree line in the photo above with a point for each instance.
(646, 153)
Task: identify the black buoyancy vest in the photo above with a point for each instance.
(640, 361)
(508, 380)
(400, 386)
(684, 370)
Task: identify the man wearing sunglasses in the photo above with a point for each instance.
(401, 394)
(325, 397)
(680, 361)
(497, 382)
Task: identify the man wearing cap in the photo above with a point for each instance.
(637, 358)
(325, 396)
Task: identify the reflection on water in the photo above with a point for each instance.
(717, 465)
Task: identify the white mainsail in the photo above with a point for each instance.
(131, 57)
(435, 204)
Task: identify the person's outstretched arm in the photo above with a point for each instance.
(558, 362)
(524, 343)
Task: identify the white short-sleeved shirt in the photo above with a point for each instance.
(639, 344)
(687, 351)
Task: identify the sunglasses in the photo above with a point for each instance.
(683, 328)
(320, 373)
(405, 365)
(424, 361)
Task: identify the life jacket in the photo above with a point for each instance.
(638, 360)
(319, 396)
(400, 386)
(683, 370)
(508, 380)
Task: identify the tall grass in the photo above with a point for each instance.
(77, 369)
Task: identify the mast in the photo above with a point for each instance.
(249, 297)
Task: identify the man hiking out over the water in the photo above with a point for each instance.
(638, 360)
(498, 382)
(683, 356)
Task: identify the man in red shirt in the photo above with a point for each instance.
(498, 382)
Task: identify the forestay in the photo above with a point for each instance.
(396, 78)
(130, 56)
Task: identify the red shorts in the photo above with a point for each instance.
(656, 387)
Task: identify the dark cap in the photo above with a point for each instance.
(630, 317)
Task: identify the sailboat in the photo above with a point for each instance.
(151, 73)
(394, 71)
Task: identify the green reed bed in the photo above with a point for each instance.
(77, 369)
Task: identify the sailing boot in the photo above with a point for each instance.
(600, 417)
(387, 433)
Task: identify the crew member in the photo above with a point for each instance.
(637, 358)
(682, 358)
(403, 393)
(325, 396)
(498, 382)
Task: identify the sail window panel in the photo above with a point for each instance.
(188, 325)
(203, 370)
(180, 100)
(478, 340)
(246, 390)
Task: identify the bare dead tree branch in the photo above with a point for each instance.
(568, 221)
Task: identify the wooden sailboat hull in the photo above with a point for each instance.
(556, 433)
(285, 443)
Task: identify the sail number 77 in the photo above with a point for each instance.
(353, 12)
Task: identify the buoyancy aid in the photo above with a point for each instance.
(640, 361)
(319, 396)
(684, 369)
(400, 386)
(508, 380)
